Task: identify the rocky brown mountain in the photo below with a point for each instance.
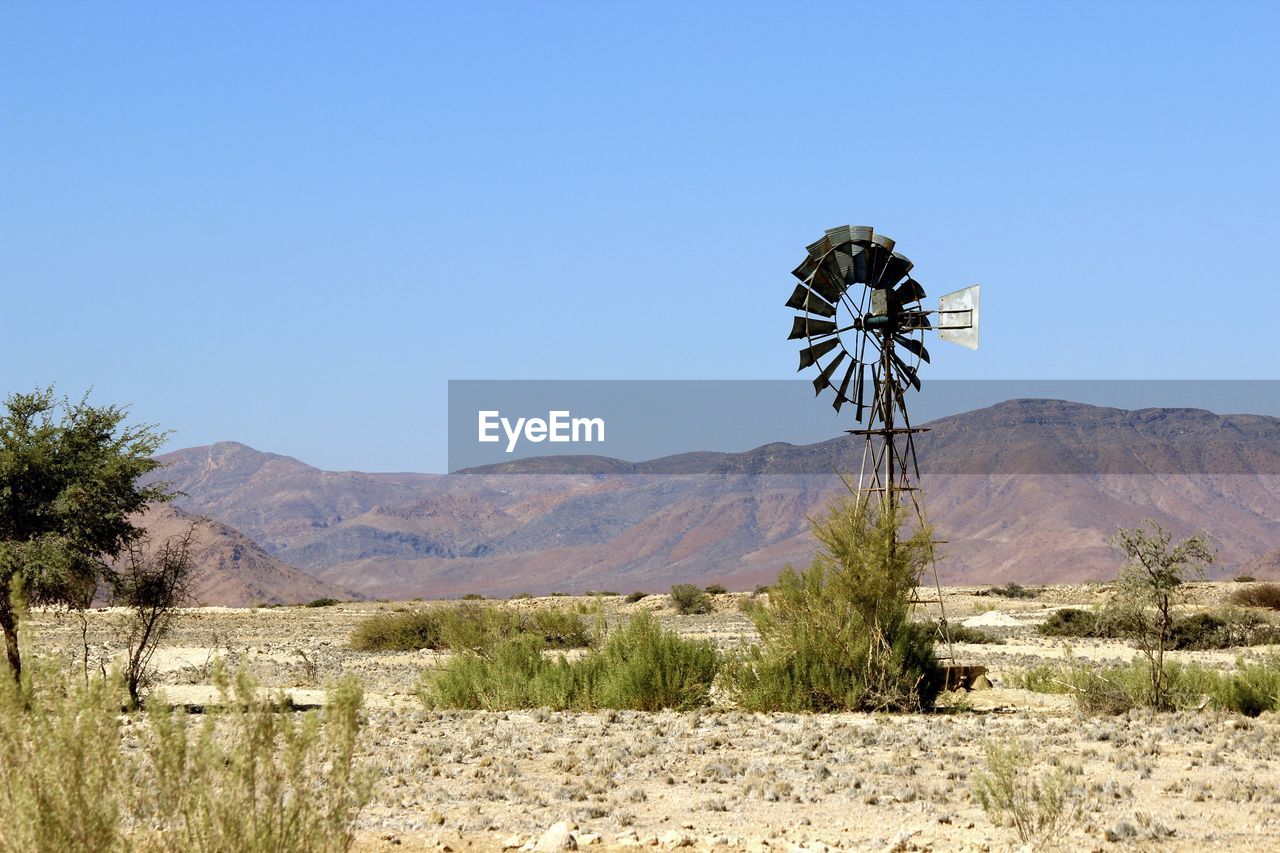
(1027, 490)
(231, 569)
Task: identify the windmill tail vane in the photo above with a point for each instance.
(862, 316)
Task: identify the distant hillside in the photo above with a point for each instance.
(231, 569)
(1026, 490)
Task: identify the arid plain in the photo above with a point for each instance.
(723, 779)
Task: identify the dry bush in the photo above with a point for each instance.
(1258, 595)
(1037, 807)
(151, 583)
(62, 775)
(1012, 590)
(252, 775)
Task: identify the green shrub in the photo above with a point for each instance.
(641, 667)
(1251, 689)
(1114, 690)
(689, 600)
(1197, 631)
(468, 626)
(1036, 807)
(559, 629)
(1258, 595)
(644, 667)
(716, 589)
(962, 634)
(1043, 678)
(1012, 590)
(1072, 622)
(407, 631)
(636, 596)
(514, 675)
(838, 636)
(1119, 689)
(520, 596)
(473, 596)
(323, 602)
(1225, 630)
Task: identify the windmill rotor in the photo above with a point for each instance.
(857, 297)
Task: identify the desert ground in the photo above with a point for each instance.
(723, 779)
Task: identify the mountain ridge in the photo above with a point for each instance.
(1025, 490)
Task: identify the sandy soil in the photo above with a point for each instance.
(722, 779)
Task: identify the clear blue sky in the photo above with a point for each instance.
(291, 224)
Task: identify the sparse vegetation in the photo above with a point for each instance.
(1245, 579)
(468, 626)
(1249, 689)
(398, 632)
(254, 775)
(838, 636)
(1013, 590)
(69, 496)
(961, 634)
(641, 667)
(250, 776)
(1043, 678)
(689, 600)
(323, 602)
(1150, 587)
(636, 596)
(1074, 622)
(1037, 807)
(1225, 630)
(151, 584)
(1260, 595)
(716, 589)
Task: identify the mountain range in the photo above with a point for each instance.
(230, 568)
(1027, 490)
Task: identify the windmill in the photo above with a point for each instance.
(862, 316)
